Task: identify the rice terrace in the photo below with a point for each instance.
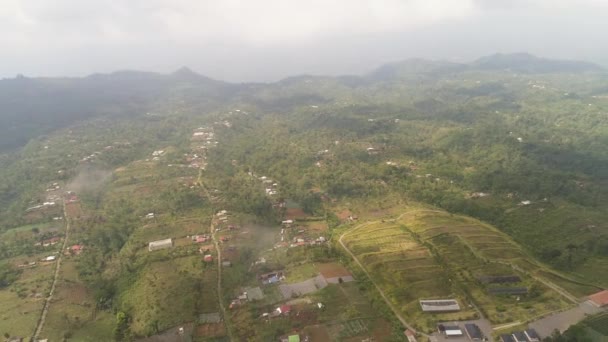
(426, 254)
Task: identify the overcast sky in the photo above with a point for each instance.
(265, 40)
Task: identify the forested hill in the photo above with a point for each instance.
(30, 107)
(514, 140)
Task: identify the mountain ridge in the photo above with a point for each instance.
(30, 107)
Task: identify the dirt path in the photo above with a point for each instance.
(47, 301)
(219, 263)
(219, 281)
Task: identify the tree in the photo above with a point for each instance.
(122, 326)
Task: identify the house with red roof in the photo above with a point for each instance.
(599, 299)
(76, 249)
(283, 309)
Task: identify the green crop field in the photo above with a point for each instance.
(599, 324)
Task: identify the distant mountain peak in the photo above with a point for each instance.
(185, 72)
(528, 63)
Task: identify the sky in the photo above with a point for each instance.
(266, 40)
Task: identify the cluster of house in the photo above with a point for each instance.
(71, 197)
(156, 155)
(55, 186)
(283, 310)
(320, 155)
(249, 294)
(90, 157)
(301, 241)
(472, 331)
(271, 277)
(528, 335)
(222, 216)
(40, 206)
(201, 238)
(206, 136)
(224, 123)
(49, 242)
(270, 186)
(27, 265)
(196, 160)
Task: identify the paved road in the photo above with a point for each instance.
(562, 320)
(47, 301)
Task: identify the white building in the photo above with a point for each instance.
(160, 244)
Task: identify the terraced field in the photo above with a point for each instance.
(428, 254)
(406, 271)
(470, 250)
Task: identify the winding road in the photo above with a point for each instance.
(47, 301)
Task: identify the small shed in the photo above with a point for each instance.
(208, 258)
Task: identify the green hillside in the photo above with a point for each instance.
(438, 174)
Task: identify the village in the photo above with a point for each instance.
(286, 279)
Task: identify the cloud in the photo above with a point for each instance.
(255, 22)
(268, 39)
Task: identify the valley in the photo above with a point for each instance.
(368, 208)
